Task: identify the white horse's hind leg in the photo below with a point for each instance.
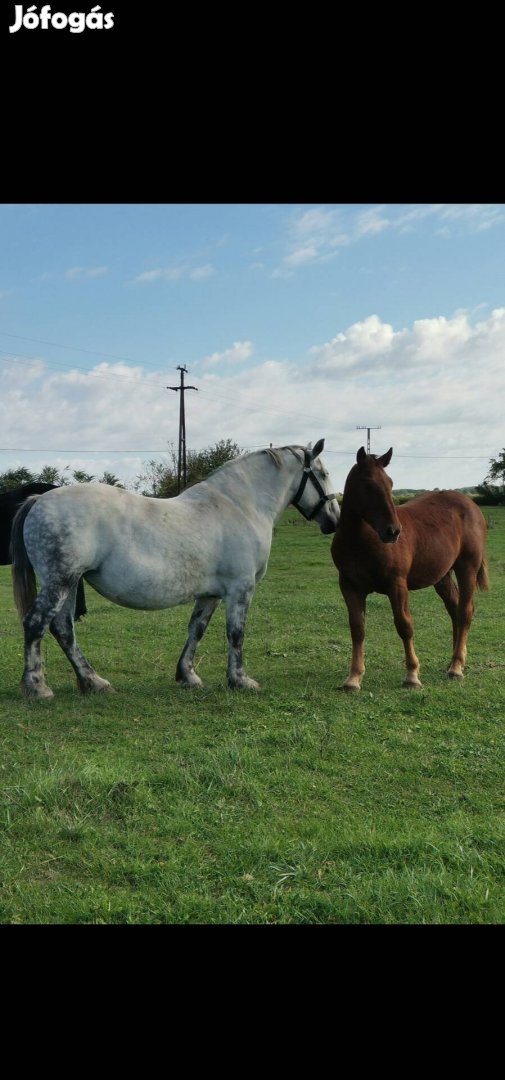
(198, 623)
(237, 606)
(35, 623)
(62, 628)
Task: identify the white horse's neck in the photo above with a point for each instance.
(270, 478)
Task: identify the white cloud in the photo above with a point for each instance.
(174, 273)
(313, 235)
(201, 272)
(85, 272)
(369, 339)
(168, 273)
(237, 354)
(370, 222)
(436, 387)
(316, 235)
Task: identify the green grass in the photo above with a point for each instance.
(298, 805)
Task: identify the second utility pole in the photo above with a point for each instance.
(363, 427)
(181, 459)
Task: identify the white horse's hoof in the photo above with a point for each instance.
(245, 684)
(194, 683)
(37, 693)
(95, 686)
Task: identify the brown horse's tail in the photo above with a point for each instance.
(483, 576)
(23, 574)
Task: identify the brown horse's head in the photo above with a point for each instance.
(367, 494)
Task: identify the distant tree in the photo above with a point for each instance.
(497, 469)
(150, 482)
(50, 474)
(493, 494)
(109, 478)
(160, 479)
(201, 463)
(81, 477)
(13, 478)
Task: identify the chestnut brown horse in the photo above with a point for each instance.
(380, 548)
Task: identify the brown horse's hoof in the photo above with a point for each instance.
(412, 685)
(350, 689)
(455, 675)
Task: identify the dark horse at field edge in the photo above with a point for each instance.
(10, 501)
(390, 550)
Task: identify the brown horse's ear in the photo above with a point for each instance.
(318, 449)
(386, 458)
(361, 456)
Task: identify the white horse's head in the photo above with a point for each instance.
(315, 497)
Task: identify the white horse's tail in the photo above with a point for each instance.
(23, 574)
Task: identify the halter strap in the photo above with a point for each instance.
(309, 474)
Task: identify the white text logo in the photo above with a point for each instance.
(76, 22)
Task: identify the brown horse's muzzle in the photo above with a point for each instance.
(391, 534)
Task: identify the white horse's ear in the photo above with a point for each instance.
(386, 458)
(318, 449)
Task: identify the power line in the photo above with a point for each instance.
(128, 360)
(75, 367)
(249, 446)
(156, 383)
(111, 376)
(73, 348)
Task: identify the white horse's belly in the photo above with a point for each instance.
(147, 587)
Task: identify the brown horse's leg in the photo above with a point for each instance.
(448, 591)
(467, 580)
(399, 600)
(356, 607)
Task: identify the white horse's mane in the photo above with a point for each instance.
(274, 453)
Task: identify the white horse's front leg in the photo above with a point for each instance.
(237, 606)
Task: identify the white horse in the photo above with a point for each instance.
(208, 544)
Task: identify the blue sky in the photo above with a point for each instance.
(295, 321)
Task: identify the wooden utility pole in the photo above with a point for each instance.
(363, 427)
(181, 457)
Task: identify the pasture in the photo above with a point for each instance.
(302, 804)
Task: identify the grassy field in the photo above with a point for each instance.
(298, 805)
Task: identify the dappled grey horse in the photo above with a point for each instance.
(210, 543)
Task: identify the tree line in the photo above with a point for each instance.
(160, 478)
(493, 494)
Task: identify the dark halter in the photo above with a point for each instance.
(309, 474)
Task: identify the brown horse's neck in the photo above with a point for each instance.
(349, 517)
(350, 521)
(367, 501)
